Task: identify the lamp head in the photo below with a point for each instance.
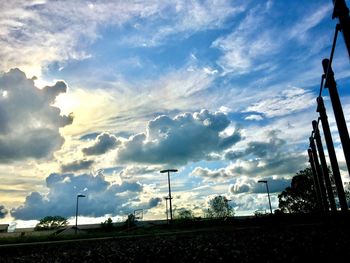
(169, 170)
(262, 181)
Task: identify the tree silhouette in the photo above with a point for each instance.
(300, 196)
(219, 208)
(107, 224)
(51, 222)
(184, 214)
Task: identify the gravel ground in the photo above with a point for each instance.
(297, 243)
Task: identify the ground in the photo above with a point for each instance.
(266, 241)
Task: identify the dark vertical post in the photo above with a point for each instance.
(166, 209)
(331, 152)
(171, 209)
(316, 188)
(341, 11)
(76, 216)
(324, 166)
(319, 175)
(338, 111)
(268, 195)
(170, 206)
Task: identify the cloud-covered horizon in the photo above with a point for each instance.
(101, 197)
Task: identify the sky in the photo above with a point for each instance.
(97, 97)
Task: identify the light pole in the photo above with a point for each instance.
(268, 193)
(166, 208)
(171, 209)
(76, 213)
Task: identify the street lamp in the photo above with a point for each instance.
(76, 213)
(171, 209)
(268, 193)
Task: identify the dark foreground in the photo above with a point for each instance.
(268, 242)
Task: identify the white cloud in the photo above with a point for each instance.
(247, 45)
(254, 117)
(309, 21)
(184, 138)
(287, 102)
(183, 18)
(34, 34)
(101, 198)
(29, 123)
(248, 185)
(253, 202)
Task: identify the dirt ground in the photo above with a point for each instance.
(269, 243)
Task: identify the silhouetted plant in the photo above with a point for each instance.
(130, 221)
(184, 214)
(300, 196)
(51, 222)
(107, 225)
(219, 208)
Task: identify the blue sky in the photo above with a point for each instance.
(98, 96)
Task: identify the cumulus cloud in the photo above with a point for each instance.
(259, 159)
(3, 211)
(29, 123)
(76, 166)
(249, 185)
(253, 202)
(211, 175)
(186, 137)
(102, 197)
(103, 143)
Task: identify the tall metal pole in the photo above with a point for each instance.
(171, 208)
(268, 195)
(316, 188)
(338, 110)
(76, 213)
(319, 175)
(268, 192)
(166, 209)
(170, 205)
(324, 166)
(76, 216)
(341, 12)
(331, 153)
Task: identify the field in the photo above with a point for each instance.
(266, 240)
